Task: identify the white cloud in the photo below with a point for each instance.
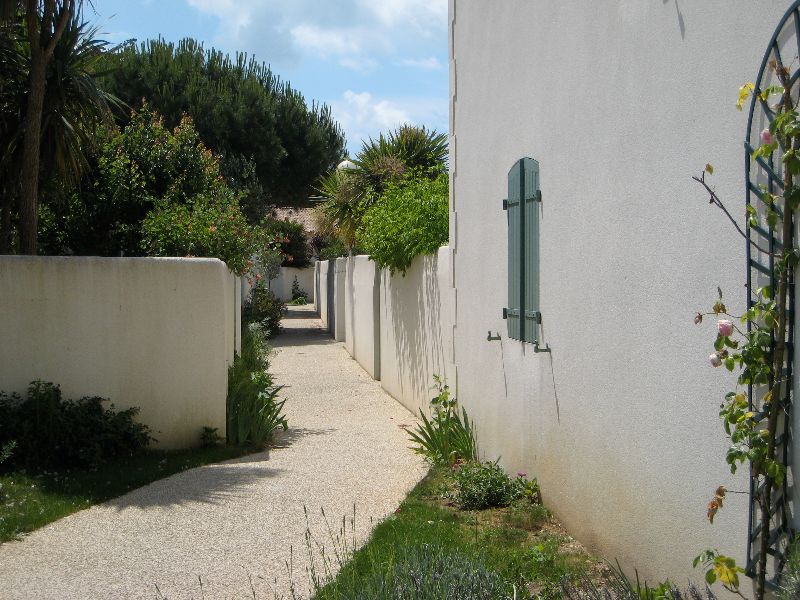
(354, 33)
(362, 115)
(428, 64)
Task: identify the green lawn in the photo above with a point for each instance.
(516, 548)
(28, 502)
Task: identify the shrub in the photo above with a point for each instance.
(264, 308)
(204, 226)
(290, 239)
(151, 190)
(409, 219)
(299, 295)
(55, 434)
(210, 437)
(485, 485)
(7, 450)
(254, 412)
(446, 438)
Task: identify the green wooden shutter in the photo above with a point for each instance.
(522, 311)
(530, 211)
(514, 207)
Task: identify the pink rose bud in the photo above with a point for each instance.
(766, 137)
(522, 474)
(725, 328)
(715, 360)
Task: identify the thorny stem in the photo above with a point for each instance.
(714, 199)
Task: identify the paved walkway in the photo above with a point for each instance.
(233, 523)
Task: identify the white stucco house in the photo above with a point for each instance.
(618, 103)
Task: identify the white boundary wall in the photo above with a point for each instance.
(325, 294)
(398, 328)
(282, 284)
(417, 314)
(362, 313)
(339, 291)
(621, 103)
(157, 333)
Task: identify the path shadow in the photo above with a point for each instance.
(284, 439)
(210, 484)
(294, 312)
(301, 336)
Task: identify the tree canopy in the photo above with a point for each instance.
(242, 111)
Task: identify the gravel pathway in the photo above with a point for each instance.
(233, 524)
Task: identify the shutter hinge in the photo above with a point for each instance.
(505, 313)
(537, 196)
(505, 203)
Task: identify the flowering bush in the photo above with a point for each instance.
(203, 226)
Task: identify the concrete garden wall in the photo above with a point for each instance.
(325, 294)
(362, 313)
(157, 333)
(282, 284)
(621, 103)
(417, 315)
(339, 300)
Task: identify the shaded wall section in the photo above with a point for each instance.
(416, 336)
(156, 333)
(362, 313)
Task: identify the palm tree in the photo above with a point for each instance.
(349, 192)
(72, 105)
(44, 22)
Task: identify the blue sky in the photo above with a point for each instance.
(377, 63)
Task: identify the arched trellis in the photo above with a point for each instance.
(766, 175)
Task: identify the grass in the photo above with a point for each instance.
(29, 501)
(520, 543)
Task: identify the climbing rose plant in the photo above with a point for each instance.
(753, 344)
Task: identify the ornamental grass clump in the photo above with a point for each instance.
(447, 438)
(254, 411)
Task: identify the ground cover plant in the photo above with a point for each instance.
(429, 549)
(31, 500)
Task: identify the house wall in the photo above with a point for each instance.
(416, 334)
(362, 313)
(157, 333)
(621, 103)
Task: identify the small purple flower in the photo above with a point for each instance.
(715, 360)
(766, 137)
(725, 327)
(522, 474)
